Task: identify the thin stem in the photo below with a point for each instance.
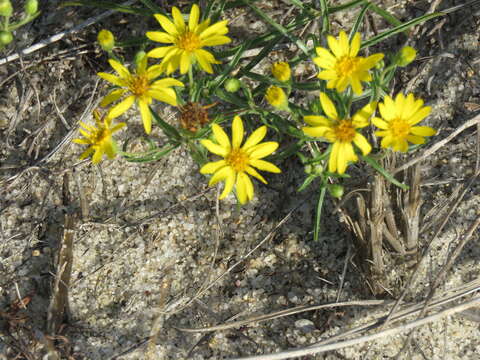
(318, 214)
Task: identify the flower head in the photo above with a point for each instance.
(238, 161)
(106, 40)
(281, 71)
(99, 137)
(140, 87)
(399, 117)
(276, 97)
(341, 132)
(187, 41)
(342, 65)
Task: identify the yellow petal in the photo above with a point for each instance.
(244, 188)
(387, 109)
(214, 148)
(146, 116)
(342, 83)
(328, 106)
(342, 157)
(184, 62)
(219, 28)
(344, 44)
(265, 166)
(386, 141)
(119, 68)
(380, 123)
(160, 36)
(115, 80)
(328, 75)
(362, 143)
(166, 82)
(355, 45)
(205, 59)
(371, 61)
(316, 120)
(178, 19)
(166, 95)
(237, 132)
(255, 137)
(420, 115)
(112, 97)
(161, 52)
(317, 131)
(212, 167)
(262, 150)
(193, 18)
(334, 46)
(418, 140)
(332, 160)
(356, 86)
(423, 131)
(166, 24)
(221, 137)
(362, 116)
(325, 57)
(250, 170)
(216, 40)
(220, 175)
(229, 182)
(121, 107)
(97, 157)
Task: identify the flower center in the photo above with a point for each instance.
(344, 131)
(238, 160)
(189, 41)
(100, 135)
(400, 128)
(139, 85)
(347, 65)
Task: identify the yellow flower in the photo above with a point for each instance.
(276, 97)
(140, 87)
(106, 40)
(99, 138)
(342, 133)
(238, 161)
(187, 41)
(398, 119)
(343, 66)
(281, 71)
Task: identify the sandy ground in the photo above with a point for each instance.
(151, 249)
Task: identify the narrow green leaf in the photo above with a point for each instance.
(318, 213)
(405, 26)
(111, 5)
(359, 19)
(306, 182)
(373, 163)
(345, 6)
(386, 15)
(149, 156)
(167, 129)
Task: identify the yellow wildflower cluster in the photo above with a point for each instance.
(345, 73)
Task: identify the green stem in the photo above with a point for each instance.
(190, 83)
(318, 214)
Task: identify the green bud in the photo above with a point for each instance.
(232, 85)
(308, 169)
(313, 169)
(380, 65)
(6, 37)
(31, 7)
(406, 56)
(106, 40)
(6, 8)
(336, 190)
(140, 57)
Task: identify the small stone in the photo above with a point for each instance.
(305, 325)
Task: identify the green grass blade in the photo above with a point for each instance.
(346, 6)
(227, 69)
(110, 5)
(152, 6)
(278, 27)
(149, 156)
(385, 14)
(318, 213)
(168, 129)
(405, 26)
(359, 19)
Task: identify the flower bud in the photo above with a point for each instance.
(6, 37)
(140, 57)
(336, 190)
(232, 85)
(106, 40)
(6, 8)
(281, 71)
(277, 98)
(31, 7)
(406, 56)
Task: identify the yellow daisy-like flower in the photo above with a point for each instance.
(342, 133)
(187, 41)
(342, 65)
(106, 40)
(140, 87)
(276, 97)
(398, 119)
(281, 71)
(238, 161)
(99, 138)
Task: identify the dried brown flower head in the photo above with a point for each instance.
(193, 116)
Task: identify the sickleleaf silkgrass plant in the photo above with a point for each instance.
(30, 12)
(190, 57)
